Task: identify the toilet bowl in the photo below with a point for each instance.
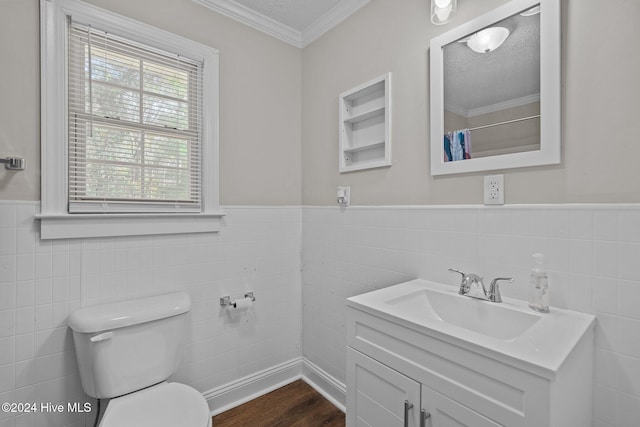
(161, 405)
(126, 351)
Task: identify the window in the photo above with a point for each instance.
(134, 127)
(129, 127)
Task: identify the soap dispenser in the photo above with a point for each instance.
(539, 291)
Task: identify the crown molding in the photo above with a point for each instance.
(512, 103)
(250, 17)
(260, 22)
(330, 19)
(517, 102)
(455, 109)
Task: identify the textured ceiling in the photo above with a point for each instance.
(297, 14)
(512, 71)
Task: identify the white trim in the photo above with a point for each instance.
(260, 207)
(235, 393)
(512, 103)
(347, 120)
(324, 383)
(253, 19)
(331, 19)
(461, 111)
(131, 29)
(53, 96)
(517, 102)
(240, 391)
(287, 34)
(550, 206)
(55, 220)
(550, 92)
(20, 202)
(109, 225)
(564, 206)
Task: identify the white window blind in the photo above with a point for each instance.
(134, 126)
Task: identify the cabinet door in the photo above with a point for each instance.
(376, 394)
(444, 412)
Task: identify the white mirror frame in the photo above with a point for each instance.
(550, 108)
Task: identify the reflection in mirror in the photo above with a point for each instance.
(492, 89)
(495, 90)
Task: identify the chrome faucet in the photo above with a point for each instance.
(470, 283)
(472, 286)
(494, 289)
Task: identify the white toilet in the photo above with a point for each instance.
(125, 353)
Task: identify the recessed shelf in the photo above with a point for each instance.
(365, 147)
(365, 125)
(365, 115)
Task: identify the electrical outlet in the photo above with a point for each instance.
(494, 190)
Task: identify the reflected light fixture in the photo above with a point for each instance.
(488, 39)
(443, 11)
(533, 11)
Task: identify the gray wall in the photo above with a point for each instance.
(600, 108)
(273, 96)
(260, 98)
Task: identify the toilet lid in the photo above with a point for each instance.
(162, 405)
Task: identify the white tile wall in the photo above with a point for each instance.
(41, 282)
(592, 251)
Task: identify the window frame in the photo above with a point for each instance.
(55, 220)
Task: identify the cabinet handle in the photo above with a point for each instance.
(423, 419)
(407, 406)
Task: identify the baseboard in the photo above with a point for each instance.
(325, 384)
(236, 393)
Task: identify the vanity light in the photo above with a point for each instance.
(533, 11)
(443, 11)
(488, 39)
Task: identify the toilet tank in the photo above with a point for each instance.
(126, 346)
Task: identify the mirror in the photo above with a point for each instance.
(495, 90)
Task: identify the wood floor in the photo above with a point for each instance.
(294, 405)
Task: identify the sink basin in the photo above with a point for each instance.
(509, 331)
(491, 319)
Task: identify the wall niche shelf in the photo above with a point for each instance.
(365, 125)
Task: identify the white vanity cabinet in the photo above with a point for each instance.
(381, 396)
(439, 410)
(379, 393)
(449, 382)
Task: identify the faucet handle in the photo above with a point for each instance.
(464, 284)
(453, 270)
(494, 288)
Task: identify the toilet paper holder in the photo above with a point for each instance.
(226, 300)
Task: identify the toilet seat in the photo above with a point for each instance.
(162, 405)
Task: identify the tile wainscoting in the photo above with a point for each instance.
(41, 282)
(592, 253)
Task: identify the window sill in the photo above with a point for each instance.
(71, 226)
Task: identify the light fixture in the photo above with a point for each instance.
(488, 39)
(443, 11)
(533, 11)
